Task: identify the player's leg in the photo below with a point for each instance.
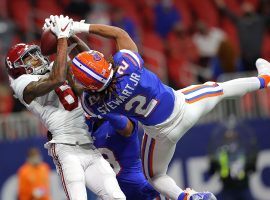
(201, 99)
(101, 179)
(70, 170)
(156, 156)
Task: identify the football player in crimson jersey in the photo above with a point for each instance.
(124, 86)
(117, 139)
(45, 93)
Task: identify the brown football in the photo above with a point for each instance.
(48, 43)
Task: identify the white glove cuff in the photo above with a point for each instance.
(83, 28)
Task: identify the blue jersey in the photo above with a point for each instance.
(140, 93)
(123, 153)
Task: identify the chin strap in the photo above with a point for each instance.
(107, 82)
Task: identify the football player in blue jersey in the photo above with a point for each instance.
(117, 140)
(124, 86)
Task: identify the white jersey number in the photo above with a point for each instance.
(140, 102)
(123, 67)
(109, 156)
(67, 97)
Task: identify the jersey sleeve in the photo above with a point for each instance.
(130, 57)
(84, 98)
(19, 84)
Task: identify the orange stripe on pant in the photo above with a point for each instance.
(185, 91)
(204, 96)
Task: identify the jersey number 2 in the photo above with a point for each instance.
(122, 67)
(67, 97)
(140, 102)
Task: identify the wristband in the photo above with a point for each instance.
(82, 27)
(85, 27)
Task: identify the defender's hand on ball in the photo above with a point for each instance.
(54, 27)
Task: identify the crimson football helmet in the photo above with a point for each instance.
(17, 66)
(91, 70)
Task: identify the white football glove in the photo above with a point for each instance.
(61, 26)
(50, 21)
(79, 27)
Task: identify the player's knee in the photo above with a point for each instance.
(115, 195)
(74, 178)
(118, 195)
(112, 189)
(78, 198)
(75, 190)
(154, 177)
(158, 178)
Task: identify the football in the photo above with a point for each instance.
(48, 43)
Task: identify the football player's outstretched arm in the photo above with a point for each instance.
(77, 89)
(121, 124)
(56, 78)
(123, 40)
(80, 46)
(59, 70)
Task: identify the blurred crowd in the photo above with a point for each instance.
(182, 41)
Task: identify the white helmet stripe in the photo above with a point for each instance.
(108, 80)
(88, 71)
(133, 55)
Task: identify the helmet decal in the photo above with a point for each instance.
(96, 57)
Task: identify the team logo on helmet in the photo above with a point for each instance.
(96, 57)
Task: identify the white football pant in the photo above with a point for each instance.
(80, 165)
(191, 103)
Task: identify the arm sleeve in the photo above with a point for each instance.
(118, 122)
(19, 84)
